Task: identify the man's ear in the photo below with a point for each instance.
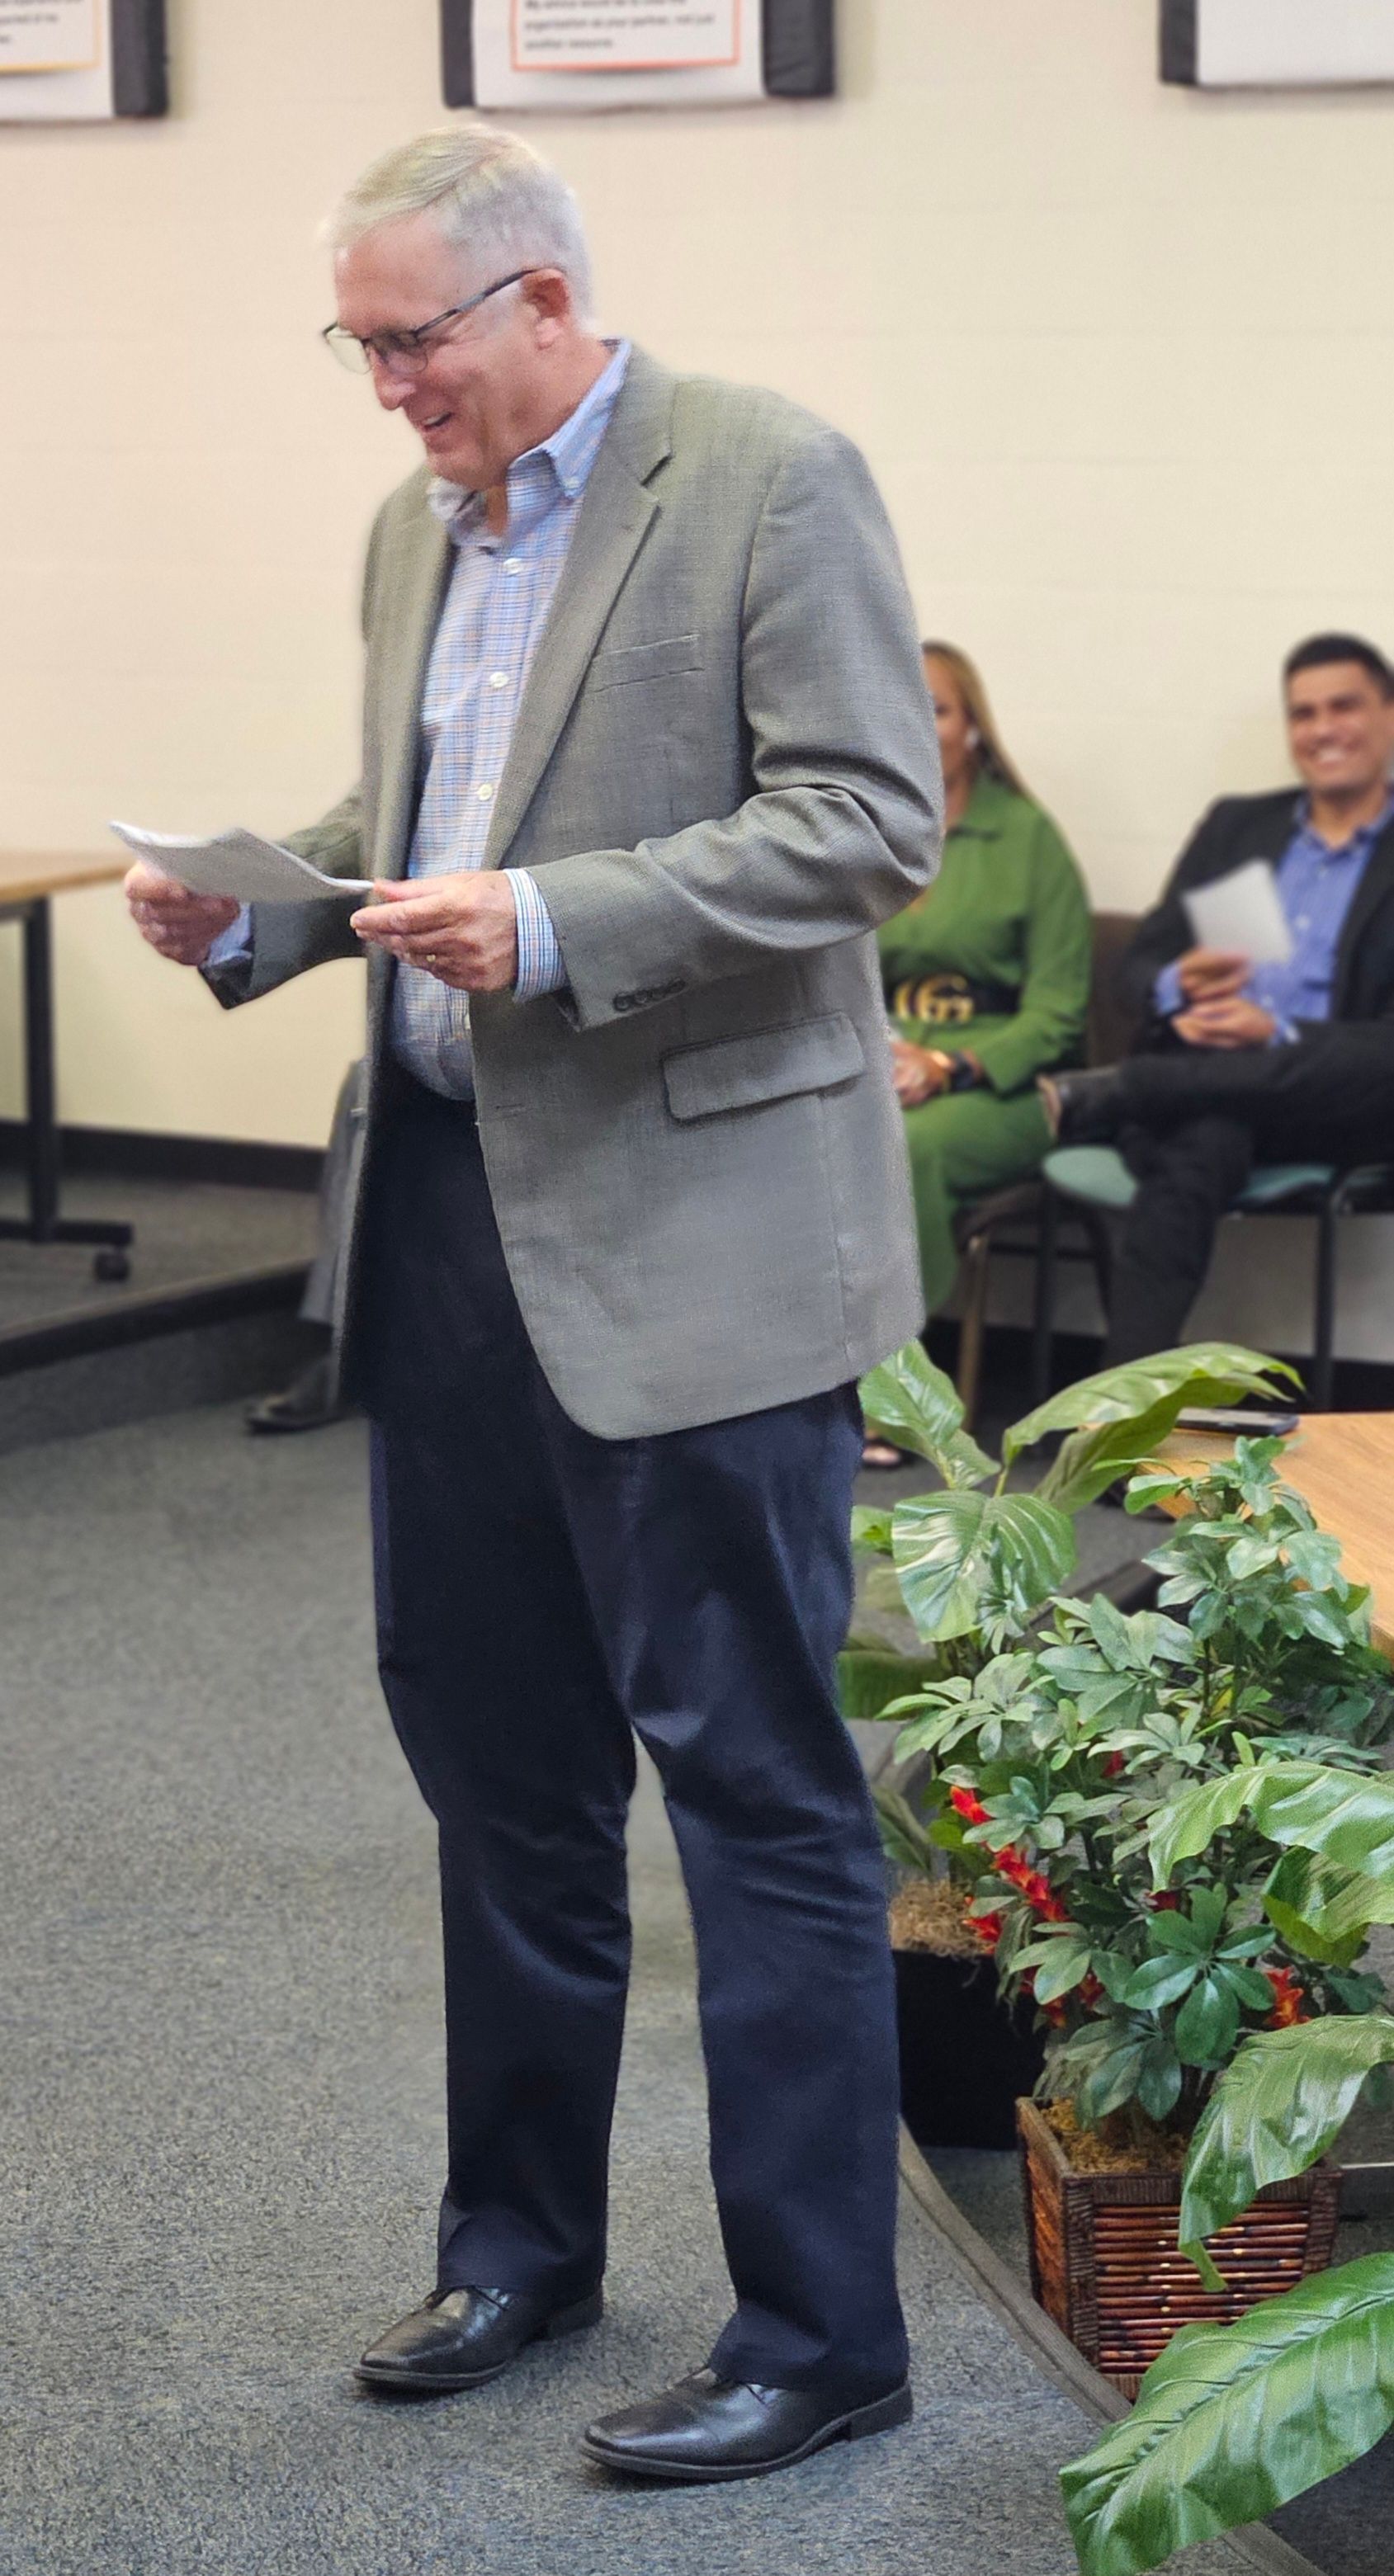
(549, 295)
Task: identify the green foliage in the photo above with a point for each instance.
(1234, 2421)
(975, 1568)
(1279, 2107)
(1206, 1373)
(978, 1562)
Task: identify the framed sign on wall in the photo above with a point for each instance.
(557, 54)
(81, 61)
(1277, 44)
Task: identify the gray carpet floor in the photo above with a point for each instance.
(220, 2124)
(185, 1230)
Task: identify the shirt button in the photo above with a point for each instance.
(484, 793)
(514, 564)
(498, 679)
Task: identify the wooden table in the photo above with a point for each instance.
(28, 882)
(1343, 1465)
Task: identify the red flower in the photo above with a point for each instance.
(1033, 1883)
(1289, 2001)
(1167, 1901)
(1113, 1765)
(1090, 1991)
(967, 1803)
(988, 1929)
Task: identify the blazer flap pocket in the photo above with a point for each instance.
(769, 1064)
(659, 661)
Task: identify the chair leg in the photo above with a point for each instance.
(1324, 1322)
(973, 1275)
(1043, 1326)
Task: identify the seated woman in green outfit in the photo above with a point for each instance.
(986, 979)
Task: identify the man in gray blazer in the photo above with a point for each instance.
(647, 756)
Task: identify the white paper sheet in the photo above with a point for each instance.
(237, 863)
(1241, 915)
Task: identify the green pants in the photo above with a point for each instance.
(963, 1145)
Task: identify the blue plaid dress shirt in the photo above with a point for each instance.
(495, 609)
(1316, 887)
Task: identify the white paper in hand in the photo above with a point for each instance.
(1242, 916)
(237, 863)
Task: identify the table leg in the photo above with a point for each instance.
(43, 1224)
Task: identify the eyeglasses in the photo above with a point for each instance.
(407, 351)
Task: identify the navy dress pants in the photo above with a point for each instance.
(544, 1596)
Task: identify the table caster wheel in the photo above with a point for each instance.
(111, 1263)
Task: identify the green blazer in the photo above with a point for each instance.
(1008, 909)
(723, 776)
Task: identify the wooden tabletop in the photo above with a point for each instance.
(27, 874)
(1342, 1464)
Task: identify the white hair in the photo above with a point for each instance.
(492, 196)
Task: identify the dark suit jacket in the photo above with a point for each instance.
(1240, 828)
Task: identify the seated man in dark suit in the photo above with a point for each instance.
(1240, 1063)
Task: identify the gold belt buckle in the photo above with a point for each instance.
(943, 1001)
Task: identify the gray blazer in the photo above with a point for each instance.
(724, 775)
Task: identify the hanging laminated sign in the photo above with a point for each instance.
(81, 61)
(1277, 44)
(558, 54)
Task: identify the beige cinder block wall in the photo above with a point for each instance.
(1121, 357)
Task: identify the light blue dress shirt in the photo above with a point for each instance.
(496, 606)
(1316, 887)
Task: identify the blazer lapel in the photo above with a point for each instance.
(1374, 889)
(422, 574)
(611, 525)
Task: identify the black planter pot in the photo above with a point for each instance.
(965, 2056)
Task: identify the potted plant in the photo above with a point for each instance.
(1234, 2421)
(962, 1572)
(1055, 1760)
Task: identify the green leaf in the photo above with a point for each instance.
(1109, 2084)
(1159, 2078)
(1201, 1373)
(1207, 2025)
(1066, 1968)
(1234, 2421)
(917, 1407)
(1093, 1459)
(903, 1837)
(1189, 1822)
(1275, 2110)
(958, 1552)
(871, 1530)
(871, 1679)
(1158, 1982)
(1324, 1913)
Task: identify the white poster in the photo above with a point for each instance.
(48, 35)
(1293, 44)
(625, 35)
(55, 61)
(616, 53)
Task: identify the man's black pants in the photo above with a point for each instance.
(541, 1593)
(1196, 1122)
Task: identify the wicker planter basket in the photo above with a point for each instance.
(1106, 2262)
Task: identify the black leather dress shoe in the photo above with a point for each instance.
(707, 2428)
(460, 2338)
(309, 1402)
(1083, 1108)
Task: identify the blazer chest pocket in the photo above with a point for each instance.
(666, 659)
(768, 1064)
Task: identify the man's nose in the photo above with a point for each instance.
(392, 384)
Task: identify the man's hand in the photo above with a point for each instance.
(1211, 974)
(461, 929)
(180, 925)
(915, 1074)
(1229, 1023)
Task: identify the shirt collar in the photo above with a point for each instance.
(1361, 840)
(559, 468)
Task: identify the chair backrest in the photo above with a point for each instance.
(1112, 1026)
